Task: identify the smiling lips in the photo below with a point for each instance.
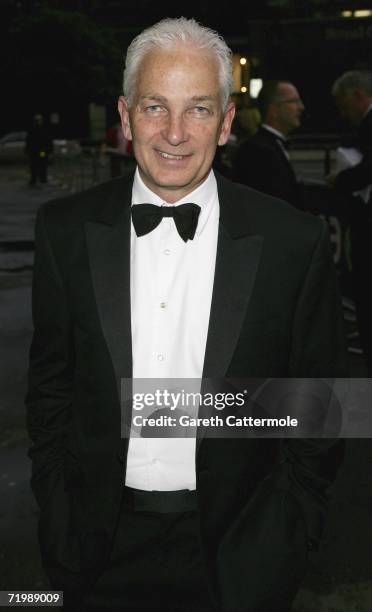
(170, 156)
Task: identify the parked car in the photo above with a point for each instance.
(12, 147)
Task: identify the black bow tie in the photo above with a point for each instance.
(147, 217)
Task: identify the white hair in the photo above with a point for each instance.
(170, 33)
(351, 81)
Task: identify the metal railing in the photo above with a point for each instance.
(80, 170)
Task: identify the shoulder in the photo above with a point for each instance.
(264, 138)
(90, 204)
(258, 213)
(258, 147)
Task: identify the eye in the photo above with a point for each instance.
(200, 111)
(154, 109)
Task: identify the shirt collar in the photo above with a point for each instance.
(274, 131)
(367, 111)
(205, 195)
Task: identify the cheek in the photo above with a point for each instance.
(208, 138)
(143, 132)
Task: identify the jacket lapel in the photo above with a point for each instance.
(237, 261)
(238, 257)
(108, 243)
(236, 266)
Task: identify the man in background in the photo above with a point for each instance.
(39, 146)
(262, 162)
(353, 97)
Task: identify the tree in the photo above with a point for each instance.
(60, 59)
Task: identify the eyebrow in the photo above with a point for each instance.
(163, 99)
(156, 97)
(203, 99)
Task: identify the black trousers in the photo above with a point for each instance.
(155, 565)
(38, 168)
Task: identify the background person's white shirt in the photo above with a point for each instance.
(347, 157)
(171, 294)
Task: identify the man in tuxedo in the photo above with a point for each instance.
(353, 96)
(176, 273)
(262, 161)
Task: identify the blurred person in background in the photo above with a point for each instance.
(353, 97)
(262, 162)
(117, 147)
(245, 125)
(39, 146)
(352, 92)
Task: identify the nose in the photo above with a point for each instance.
(174, 130)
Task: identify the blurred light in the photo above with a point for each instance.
(243, 89)
(357, 13)
(363, 13)
(243, 61)
(255, 87)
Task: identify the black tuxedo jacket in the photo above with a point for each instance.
(261, 163)
(359, 176)
(275, 313)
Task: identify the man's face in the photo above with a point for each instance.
(176, 119)
(350, 107)
(288, 108)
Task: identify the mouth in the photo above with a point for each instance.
(171, 156)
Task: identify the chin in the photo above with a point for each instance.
(172, 181)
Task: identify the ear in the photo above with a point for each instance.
(124, 116)
(226, 124)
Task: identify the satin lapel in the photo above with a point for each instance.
(237, 262)
(236, 266)
(109, 255)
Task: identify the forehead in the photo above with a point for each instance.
(181, 69)
(287, 90)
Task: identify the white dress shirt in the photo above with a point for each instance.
(171, 293)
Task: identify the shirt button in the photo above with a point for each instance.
(163, 305)
(167, 252)
(160, 357)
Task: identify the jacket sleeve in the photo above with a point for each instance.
(50, 378)
(318, 351)
(356, 178)
(318, 346)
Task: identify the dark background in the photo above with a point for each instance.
(58, 56)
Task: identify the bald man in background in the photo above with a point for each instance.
(262, 162)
